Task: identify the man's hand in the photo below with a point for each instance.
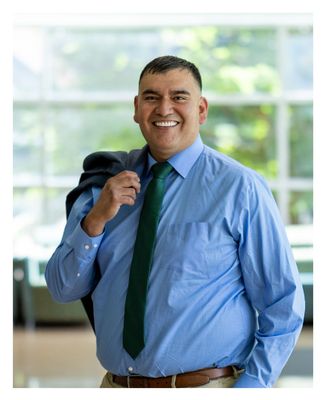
(118, 190)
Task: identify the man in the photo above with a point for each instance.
(223, 304)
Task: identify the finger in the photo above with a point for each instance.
(131, 182)
(128, 200)
(127, 179)
(131, 192)
(130, 174)
(136, 186)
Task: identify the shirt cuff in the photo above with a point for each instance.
(246, 381)
(84, 246)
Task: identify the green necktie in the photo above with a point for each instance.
(135, 304)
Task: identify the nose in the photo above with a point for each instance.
(164, 107)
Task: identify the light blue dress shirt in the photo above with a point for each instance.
(223, 289)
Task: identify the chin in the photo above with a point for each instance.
(162, 153)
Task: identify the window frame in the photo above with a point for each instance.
(281, 23)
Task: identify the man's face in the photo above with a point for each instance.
(169, 109)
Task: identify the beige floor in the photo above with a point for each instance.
(56, 358)
(66, 357)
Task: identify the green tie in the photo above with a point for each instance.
(135, 304)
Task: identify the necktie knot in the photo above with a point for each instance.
(161, 170)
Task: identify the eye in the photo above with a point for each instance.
(179, 98)
(150, 98)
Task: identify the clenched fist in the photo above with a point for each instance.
(118, 190)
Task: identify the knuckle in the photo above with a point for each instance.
(109, 183)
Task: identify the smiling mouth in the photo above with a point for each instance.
(165, 124)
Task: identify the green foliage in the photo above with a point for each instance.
(301, 141)
(232, 60)
(245, 133)
(53, 139)
(301, 206)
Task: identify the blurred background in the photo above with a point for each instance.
(75, 78)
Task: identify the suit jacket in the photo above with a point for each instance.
(98, 167)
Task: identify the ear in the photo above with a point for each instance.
(203, 110)
(135, 116)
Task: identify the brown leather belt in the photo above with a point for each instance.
(188, 379)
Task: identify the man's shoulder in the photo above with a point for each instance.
(224, 161)
(224, 165)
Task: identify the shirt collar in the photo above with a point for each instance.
(183, 161)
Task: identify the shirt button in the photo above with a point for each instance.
(130, 369)
(86, 246)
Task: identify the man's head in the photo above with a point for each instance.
(169, 107)
(164, 64)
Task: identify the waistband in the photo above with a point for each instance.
(187, 379)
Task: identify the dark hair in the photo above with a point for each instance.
(166, 63)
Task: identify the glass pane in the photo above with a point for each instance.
(27, 205)
(39, 216)
(299, 61)
(301, 207)
(27, 209)
(100, 60)
(54, 206)
(27, 60)
(231, 60)
(244, 133)
(27, 141)
(74, 132)
(301, 141)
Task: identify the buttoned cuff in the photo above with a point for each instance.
(84, 246)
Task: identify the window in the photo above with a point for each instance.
(74, 87)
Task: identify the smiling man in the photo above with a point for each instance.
(169, 110)
(183, 251)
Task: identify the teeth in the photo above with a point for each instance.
(165, 123)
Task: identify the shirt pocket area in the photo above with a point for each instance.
(187, 246)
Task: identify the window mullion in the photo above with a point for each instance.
(282, 139)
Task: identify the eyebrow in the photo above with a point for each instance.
(174, 92)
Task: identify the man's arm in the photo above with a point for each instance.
(272, 284)
(119, 190)
(70, 273)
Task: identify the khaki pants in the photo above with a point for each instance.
(228, 382)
